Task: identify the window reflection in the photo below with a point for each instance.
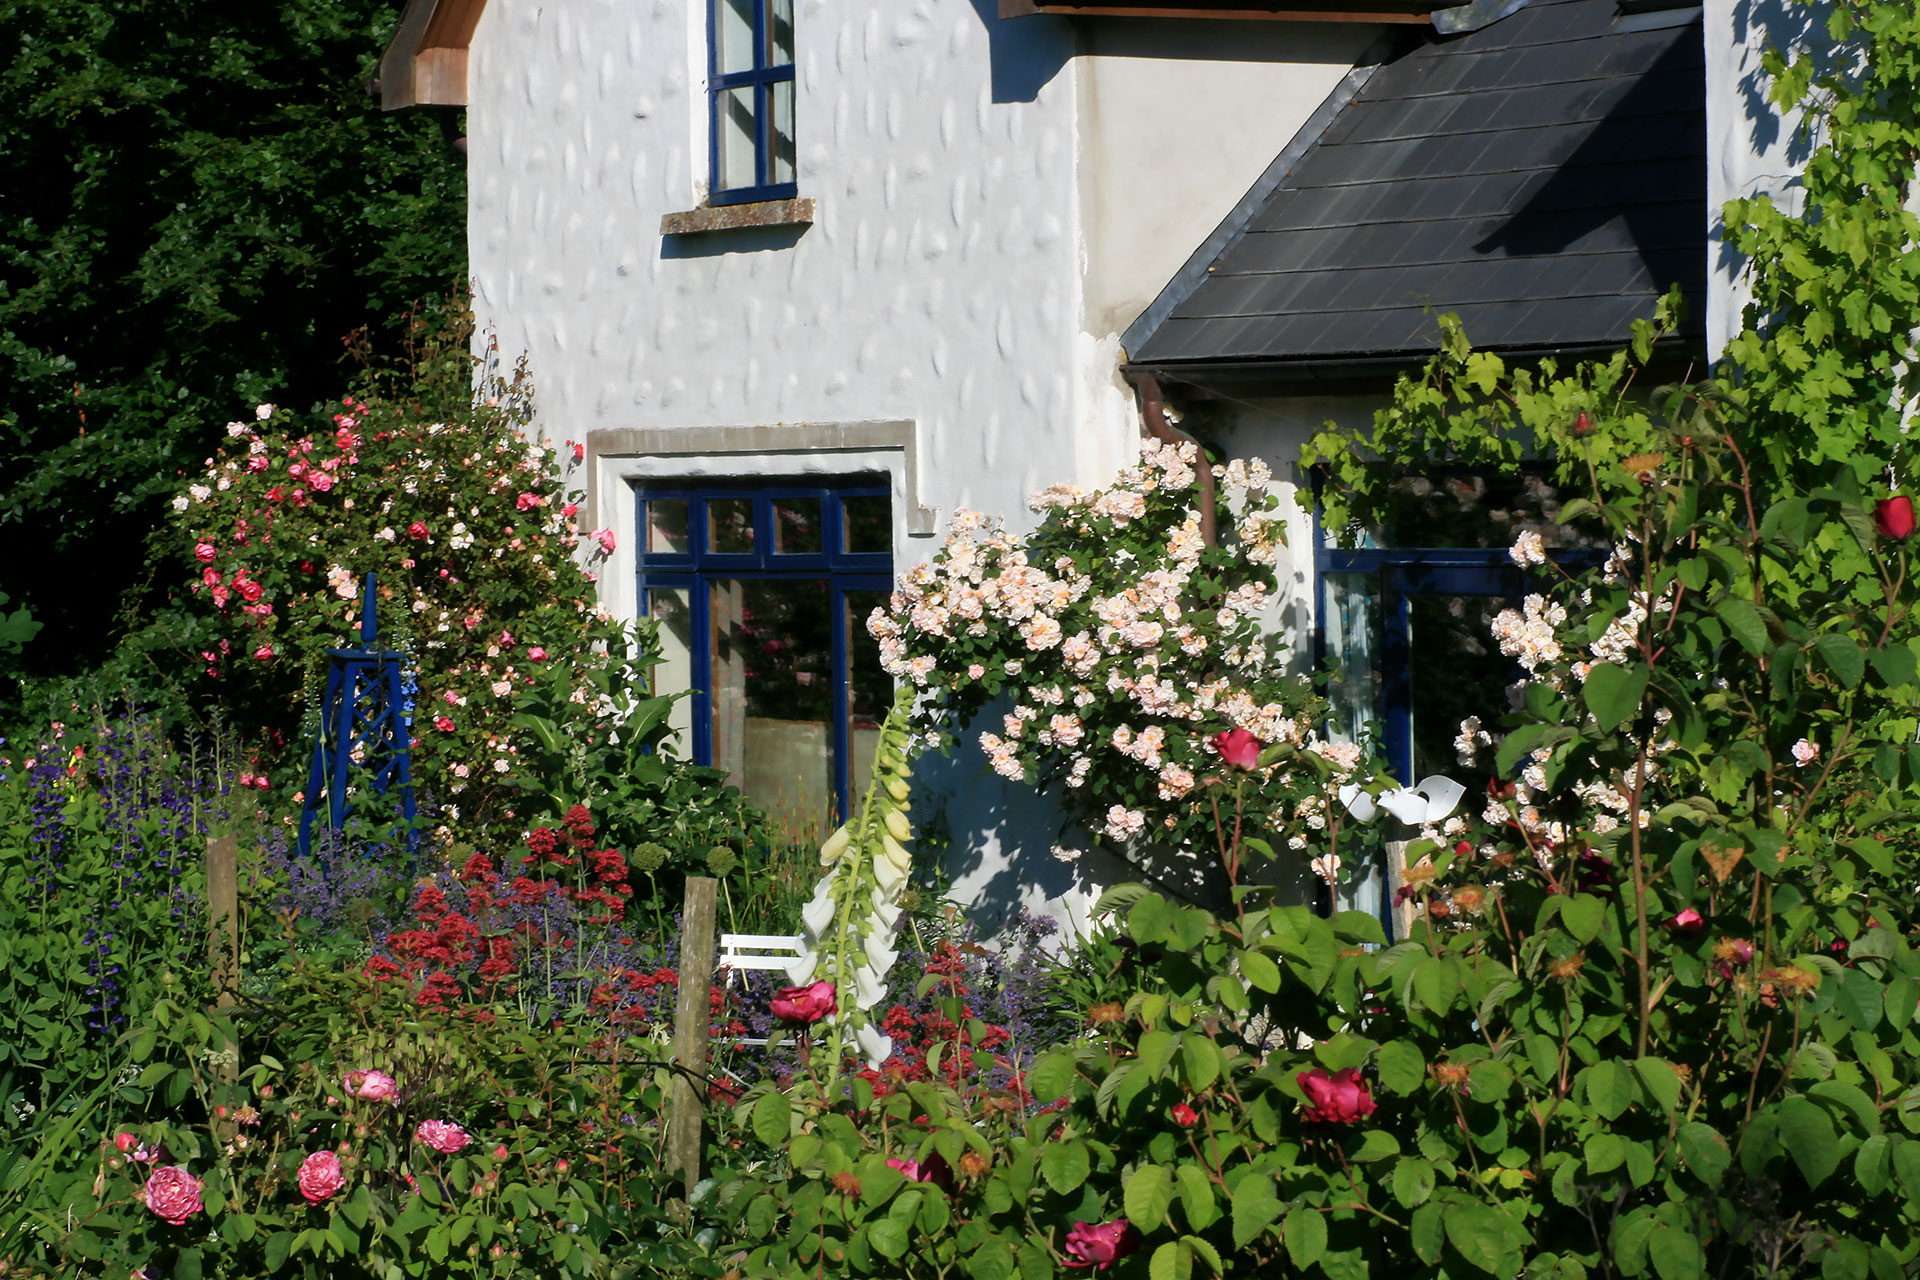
(772, 691)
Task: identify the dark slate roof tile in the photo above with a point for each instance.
(1544, 178)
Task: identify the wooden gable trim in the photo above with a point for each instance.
(425, 65)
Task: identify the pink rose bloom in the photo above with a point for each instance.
(1340, 1098)
(416, 530)
(605, 539)
(297, 470)
(537, 654)
(579, 453)
(125, 1141)
(320, 1176)
(264, 652)
(249, 591)
(1185, 1116)
(1238, 748)
(803, 1006)
(204, 552)
(935, 1170)
(1100, 1245)
(219, 595)
(374, 1086)
(321, 482)
(443, 724)
(528, 501)
(569, 510)
(257, 463)
(172, 1194)
(441, 1136)
(210, 576)
(1689, 922)
(345, 439)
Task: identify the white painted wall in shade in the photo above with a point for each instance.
(983, 232)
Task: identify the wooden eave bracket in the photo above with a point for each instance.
(425, 64)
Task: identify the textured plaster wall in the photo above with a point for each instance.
(982, 233)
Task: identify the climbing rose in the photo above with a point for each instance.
(320, 1176)
(1185, 1116)
(173, 1194)
(1100, 1246)
(1894, 517)
(125, 1141)
(1340, 1098)
(935, 1170)
(1689, 922)
(1238, 748)
(416, 531)
(803, 1006)
(441, 1136)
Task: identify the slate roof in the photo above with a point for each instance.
(1544, 178)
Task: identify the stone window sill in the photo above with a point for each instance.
(734, 217)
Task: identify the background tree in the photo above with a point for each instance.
(199, 204)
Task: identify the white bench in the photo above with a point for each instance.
(766, 952)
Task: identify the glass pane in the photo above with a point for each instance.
(868, 524)
(1456, 672)
(1352, 629)
(667, 533)
(779, 33)
(730, 526)
(796, 527)
(782, 95)
(869, 692)
(675, 673)
(737, 166)
(733, 35)
(772, 696)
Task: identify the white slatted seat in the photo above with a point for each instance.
(766, 952)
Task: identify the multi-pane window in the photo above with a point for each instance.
(762, 594)
(750, 79)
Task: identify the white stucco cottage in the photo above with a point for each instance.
(804, 276)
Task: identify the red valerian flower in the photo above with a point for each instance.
(1101, 1245)
(1185, 1116)
(804, 1006)
(1339, 1098)
(1894, 517)
(1238, 748)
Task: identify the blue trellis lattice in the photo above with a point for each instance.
(365, 729)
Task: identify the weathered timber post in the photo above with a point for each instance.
(692, 1016)
(223, 936)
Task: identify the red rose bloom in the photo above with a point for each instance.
(1894, 517)
(1340, 1098)
(173, 1195)
(416, 531)
(1185, 1116)
(1101, 1245)
(1238, 748)
(804, 1006)
(443, 724)
(1689, 922)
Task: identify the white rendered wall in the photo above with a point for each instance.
(981, 237)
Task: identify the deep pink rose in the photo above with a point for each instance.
(1100, 1246)
(375, 1086)
(1340, 1098)
(536, 653)
(320, 1176)
(124, 1141)
(934, 1170)
(1238, 748)
(258, 463)
(173, 1194)
(264, 653)
(443, 1137)
(606, 540)
(803, 1006)
(1894, 517)
(443, 724)
(204, 552)
(416, 531)
(1689, 922)
(321, 482)
(297, 470)
(1185, 1116)
(249, 591)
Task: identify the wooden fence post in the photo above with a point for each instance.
(692, 1015)
(223, 939)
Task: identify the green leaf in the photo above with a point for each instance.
(1196, 1196)
(1402, 1069)
(1201, 1058)
(773, 1119)
(1065, 1165)
(1613, 692)
(1428, 1233)
(889, 1237)
(1149, 920)
(1254, 1209)
(1205, 1251)
(1260, 970)
(1744, 622)
(1476, 1235)
(1894, 665)
(1609, 1088)
(1155, 1051)
(187, 1265)
(1675, 1254)
(1859, 999)
(1807, 1134)
(1843, 657)
(1660, 1080)
(1170, 1262)
(1906, 1166)
(1583, 914)
(1149, 1193)
(1305, 1234)
(1053, 1075)
(1412, 1181)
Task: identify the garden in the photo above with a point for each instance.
(1643, 1005)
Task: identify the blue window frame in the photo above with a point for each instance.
(750, 86)
(762, 592)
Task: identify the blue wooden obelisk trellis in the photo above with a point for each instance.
(364, 730)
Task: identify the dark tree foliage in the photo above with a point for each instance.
(200, 201)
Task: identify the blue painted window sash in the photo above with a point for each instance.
(761, 78)
(693, 572)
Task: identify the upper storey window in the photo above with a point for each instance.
(750, 79)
